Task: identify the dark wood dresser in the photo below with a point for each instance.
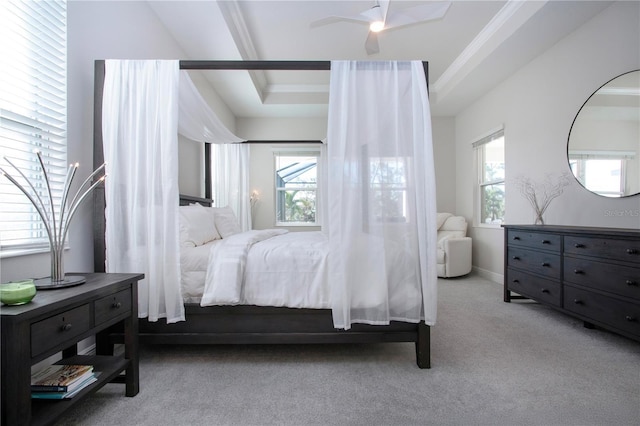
(55, 321)
(590, 273)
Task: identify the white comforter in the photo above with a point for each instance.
(268, 268)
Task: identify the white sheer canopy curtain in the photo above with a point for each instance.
(145, 105)
(230, 164)
(230, 158)
(381, 217)
(140, 142)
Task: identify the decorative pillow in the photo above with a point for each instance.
(197, 226)
(226, 221)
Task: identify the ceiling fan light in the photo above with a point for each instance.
(376, 26)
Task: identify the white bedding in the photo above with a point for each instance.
(279, 269)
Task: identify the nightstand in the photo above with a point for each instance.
(55, 321)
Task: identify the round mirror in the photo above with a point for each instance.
(604, 140)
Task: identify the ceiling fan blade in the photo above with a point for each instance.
(333, 19)
(416, 14)
(384, 4)
(371, 45)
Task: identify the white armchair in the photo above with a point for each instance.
(454, 247)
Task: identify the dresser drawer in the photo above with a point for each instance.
(54, 330)
(608, 248)
(535, 287)
(620, 280)
(547, 264)
(620, 314)
(112, 306)
(537, 240)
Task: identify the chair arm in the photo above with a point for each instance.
(457, 256)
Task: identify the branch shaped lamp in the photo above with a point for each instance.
(57, 226)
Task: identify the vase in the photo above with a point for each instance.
(539, 219)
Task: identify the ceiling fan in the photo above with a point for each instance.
(378, 19)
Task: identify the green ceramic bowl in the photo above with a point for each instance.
(17, 293)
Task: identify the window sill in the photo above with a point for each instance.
(9, 253)
(488, 226)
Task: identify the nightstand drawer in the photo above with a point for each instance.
(54, 330)
(535, 240)
(620, 280)
(531, 286)
(112, 306)
(622, 250)
(547, 264)
(620, 314)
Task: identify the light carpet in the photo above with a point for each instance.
(493, 363)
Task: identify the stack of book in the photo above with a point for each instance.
(61, 381)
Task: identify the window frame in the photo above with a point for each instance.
(297, 152)
(480, 157)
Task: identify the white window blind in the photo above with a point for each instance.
(33, 117)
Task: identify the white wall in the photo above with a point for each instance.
(96, 30)
(537, 106)
(262, 165)
(262, 173)
(444, 152)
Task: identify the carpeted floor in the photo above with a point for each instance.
(493, 363)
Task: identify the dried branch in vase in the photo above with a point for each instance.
(540, 194)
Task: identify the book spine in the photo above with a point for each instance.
(47, 395)
(39, 388)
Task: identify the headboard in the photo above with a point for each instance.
(185, 200)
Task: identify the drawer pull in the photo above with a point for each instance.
(515, 258)
(630, 318)
(516, 238)
(632, 283)
(578, 271)
(66, 327)
(546, 242)
(632, 251)
(578, 302)
(545, 264)
(578, 245)
(116, 305)
(544, 290)
(516, 281)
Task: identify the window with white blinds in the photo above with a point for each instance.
(33, 115)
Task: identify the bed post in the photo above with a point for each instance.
(423, 346)
(99, 248)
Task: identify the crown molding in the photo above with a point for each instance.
(239, 30)
(513, 15)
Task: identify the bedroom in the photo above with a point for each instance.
(563, 72)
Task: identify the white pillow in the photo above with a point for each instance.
(197, 226)
(226, 221)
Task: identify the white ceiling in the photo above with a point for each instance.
(476, 45)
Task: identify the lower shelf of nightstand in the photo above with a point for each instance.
(45, 412)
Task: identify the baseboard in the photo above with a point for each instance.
(491, 276)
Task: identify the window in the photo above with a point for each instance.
(490, 191)
(602, 172)
(296, 182)
(389, 189)
(32, 114)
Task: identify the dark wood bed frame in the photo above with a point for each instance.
(247, 324)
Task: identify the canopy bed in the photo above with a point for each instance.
(358, 232)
